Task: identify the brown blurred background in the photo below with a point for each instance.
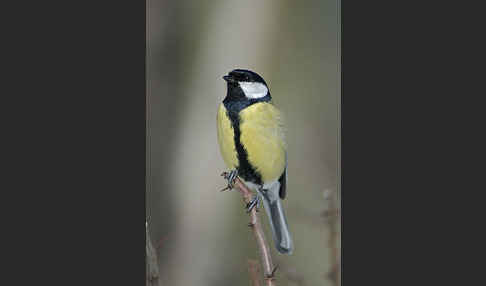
(200, 234)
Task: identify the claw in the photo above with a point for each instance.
(255, 202)
(225, 189)
(230, 177)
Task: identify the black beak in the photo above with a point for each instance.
(228, 78)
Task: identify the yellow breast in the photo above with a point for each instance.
(263, 138)
(226, 138)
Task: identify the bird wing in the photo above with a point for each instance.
(283, 181)
(263, 139)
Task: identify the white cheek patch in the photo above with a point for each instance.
(254, 89)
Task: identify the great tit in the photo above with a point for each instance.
(251, 140)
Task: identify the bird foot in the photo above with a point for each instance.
(254, 202)
(230, 177)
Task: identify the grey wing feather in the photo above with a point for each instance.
(278, 222)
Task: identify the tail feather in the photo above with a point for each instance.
(277, 219)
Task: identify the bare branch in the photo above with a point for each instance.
(253, 271)
(255, 225)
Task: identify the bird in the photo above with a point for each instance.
(251, 138)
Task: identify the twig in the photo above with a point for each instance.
(152, 267)
(266, 258)
(253, 271)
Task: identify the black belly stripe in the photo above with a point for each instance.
(233, 108)
(234, 102)
(245, 169)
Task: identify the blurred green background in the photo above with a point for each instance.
(200, 234)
